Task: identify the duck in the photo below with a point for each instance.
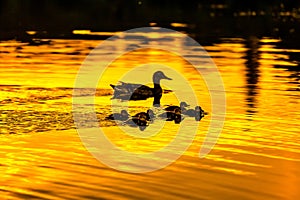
(123, 116)
(174, 113)
(130, 91)
(183, 105)
(198, 113)
(176, 116)
(141, 119)
(172, 116)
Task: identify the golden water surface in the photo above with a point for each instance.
(257, 155)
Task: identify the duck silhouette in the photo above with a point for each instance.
(173, 113)
(183, 105)
(141, 119)
(198, 113)
(176, 116)
(123, 116)
(130, 91)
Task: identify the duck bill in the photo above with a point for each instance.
(167, 78)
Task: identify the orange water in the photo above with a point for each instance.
(257, 155)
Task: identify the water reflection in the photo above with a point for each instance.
(294, 68)
(252, 72)
(35, 102)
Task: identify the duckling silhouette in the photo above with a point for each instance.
(191, 112)
(182, 107)
(173, 113)
(176, 116)
(123, 116)
(199, 113)
(142, 119)
(129, 91)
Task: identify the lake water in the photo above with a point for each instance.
(257, 155)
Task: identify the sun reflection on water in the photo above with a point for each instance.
(257, 154)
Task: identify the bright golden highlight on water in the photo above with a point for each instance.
(257, 155)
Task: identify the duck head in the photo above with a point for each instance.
(198, 108)
(124, 113)
(183, 105)
(199, 113)
(157, 76)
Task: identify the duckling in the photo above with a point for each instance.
(173, 109)
(173, 113)
(190, 112)
(199, 113)
(129, 91)
(123, 116)
(142, 119)
(176, 116)
(182, 107)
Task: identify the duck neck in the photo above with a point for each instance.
(156, 102)
(156, 81)
(157, 85)
(157, 92)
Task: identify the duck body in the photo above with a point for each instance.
(182, 107)
(128, 91)
(141, 119)
(190, 112)
(131, 91)
(174, 113)
(198, 113)
(171, 116)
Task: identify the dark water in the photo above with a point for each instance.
(257, 154)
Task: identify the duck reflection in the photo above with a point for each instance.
(252, 71)
(293, 57)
